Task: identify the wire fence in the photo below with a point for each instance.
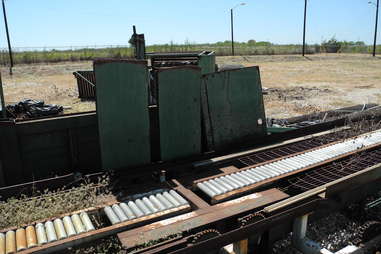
(28, 55)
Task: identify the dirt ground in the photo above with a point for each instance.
(296, 85)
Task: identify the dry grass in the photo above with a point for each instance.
(351, 79)
(27, 209)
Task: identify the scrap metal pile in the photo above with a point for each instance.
(195, 166)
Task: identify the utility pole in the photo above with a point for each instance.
(375, 29)
(9, 42)
(304, 28)
(231, 24)
(3, 108)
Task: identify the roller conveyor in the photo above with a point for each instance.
(149, 205)
(42, 233)
(255, 175)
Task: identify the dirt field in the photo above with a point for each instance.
(296, 85)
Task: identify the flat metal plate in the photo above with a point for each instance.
(235, 106)
(122, 110)
(199, 218)
(179, 112)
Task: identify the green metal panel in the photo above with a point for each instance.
(36, 149)
(234, 107)
(207, 63)
(179, 112)
(122, 110)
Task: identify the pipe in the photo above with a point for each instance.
(2, 243)
(31, 238)
(111, 215)
(69, 227)
(20, 239)
(60, 229)
(119, 212)
(78, 224)
(50, 232)
(150, 205)
(41, 234)
(143, 207)
(86, 220)
(10, 242)
(130, 214)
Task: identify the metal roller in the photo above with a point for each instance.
(127, 211)
(205, 189)
(218, 186)
(226, 185)
(171, 199)
(157, 203)
(178, 197)
(60, 229)
(20, 239)
(86, 221)
(119, 212)
(31, 237)
(69, 227)
(135, 209)
(50, 231)
(229, 182)
(2, 243)
(78, 225)
(143, 207)
(214, 187)
(113, 218)
(239, 179)
(164, 201)
(41, 234)
(149, 204)
(10, 242)
(233, 181)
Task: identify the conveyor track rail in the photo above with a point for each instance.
(229, 183)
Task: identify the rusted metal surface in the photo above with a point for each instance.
(201, 217)
(86, 84)
(243, 232)
(240, 191)
(333, 171)
(188, 194)
(102, 232)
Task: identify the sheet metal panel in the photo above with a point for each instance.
(235, 107)
(179, 112)
(122, 110)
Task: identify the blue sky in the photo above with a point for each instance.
(109, 22)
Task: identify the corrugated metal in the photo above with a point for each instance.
(179, 112)
(122, 110)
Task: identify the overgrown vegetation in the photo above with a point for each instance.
(27, 209)
(250, 47)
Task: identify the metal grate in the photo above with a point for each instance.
(255, 175)
(337, 170)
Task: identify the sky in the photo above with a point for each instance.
(54, 23)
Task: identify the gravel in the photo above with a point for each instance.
(335, 231)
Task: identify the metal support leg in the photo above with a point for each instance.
(299, 239)
(300, 228)
(241, 247)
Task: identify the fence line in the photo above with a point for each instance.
(26, 55)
